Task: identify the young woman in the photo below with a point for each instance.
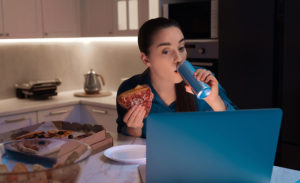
(162, 47)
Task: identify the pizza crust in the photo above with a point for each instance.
(140, 95)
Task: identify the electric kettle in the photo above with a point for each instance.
(92, 84)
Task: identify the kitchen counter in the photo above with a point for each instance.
(14, 105)
(101, 169)
(104, 170)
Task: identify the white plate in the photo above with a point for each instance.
(127, 153)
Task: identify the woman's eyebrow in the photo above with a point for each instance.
(163, 44)
(167, 43)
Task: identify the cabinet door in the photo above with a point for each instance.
(61, 18)
(126, 17)
(97, 17)
(13, 122)
(68, 113)
(1, 20)
(99, 115)
(21, 18)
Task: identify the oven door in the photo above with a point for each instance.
(209, 64)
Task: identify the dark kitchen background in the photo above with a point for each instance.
(259, 62)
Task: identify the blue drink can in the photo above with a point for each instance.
(199, 88)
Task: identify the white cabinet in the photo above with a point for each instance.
(99, 115)
(39, 18)
(97, 17)
(113, 17)
(1, 20)
(13, 122)
(61, 18)
(20, 18)
(67, 113)
(85, 114)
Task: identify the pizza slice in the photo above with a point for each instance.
(140, 95)
(31, 135)
(59, 133)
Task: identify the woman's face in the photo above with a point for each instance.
(166, 51)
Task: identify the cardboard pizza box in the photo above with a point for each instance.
(104, 144)
(97, 130)
(92, 133)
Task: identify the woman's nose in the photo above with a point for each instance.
(178, 57)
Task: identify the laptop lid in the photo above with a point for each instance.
(232, 146)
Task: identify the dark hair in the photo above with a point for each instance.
(149, 29)
(184, 101)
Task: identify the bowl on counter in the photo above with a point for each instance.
(42, 160)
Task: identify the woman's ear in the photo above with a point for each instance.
(145, 59)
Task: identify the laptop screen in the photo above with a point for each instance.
(231, 146)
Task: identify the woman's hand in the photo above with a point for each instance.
(134, 120)
(213, 99)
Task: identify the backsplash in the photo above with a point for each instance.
(25, 61)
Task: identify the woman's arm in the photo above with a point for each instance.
(217, 99)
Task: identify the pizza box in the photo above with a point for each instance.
(102, 145)
(90, 134)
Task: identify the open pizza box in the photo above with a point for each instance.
(94, 135)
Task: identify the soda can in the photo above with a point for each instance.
(199, 88)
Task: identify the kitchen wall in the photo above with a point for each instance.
(67, 60)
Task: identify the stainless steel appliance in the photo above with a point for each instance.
(37, 89)
(198, 18)
(203, 53)
(92, 84)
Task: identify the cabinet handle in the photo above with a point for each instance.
(99, 111)
(14, 120)
(209, 64)
(1, 34)
(46, 34)
(58, 112)
(7, 34)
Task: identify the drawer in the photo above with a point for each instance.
(99, 115)
(13, 122)
(67, 113)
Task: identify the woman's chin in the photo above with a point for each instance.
(179, 80)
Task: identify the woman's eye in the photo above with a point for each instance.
(182, 48)
(165, 52)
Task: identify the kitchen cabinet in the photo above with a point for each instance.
(13, 122)
(39, 18)
(97, 18)
(259, 65)
(67, 113)
(61, 18)
(106, 117)
(113, 17)
(1, 20)
(20, 19)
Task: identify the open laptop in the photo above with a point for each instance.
(211, 147)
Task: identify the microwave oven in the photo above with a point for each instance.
(197, 19)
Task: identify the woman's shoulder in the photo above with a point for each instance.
(138, 79)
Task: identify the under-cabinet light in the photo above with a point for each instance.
(70, 40)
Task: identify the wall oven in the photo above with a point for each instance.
(203, 53)
(198, 19)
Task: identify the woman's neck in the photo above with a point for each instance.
(164, 88)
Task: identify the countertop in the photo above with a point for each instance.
(101, 169)
(104, 170)
(13, 106)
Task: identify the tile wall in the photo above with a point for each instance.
(67, 60)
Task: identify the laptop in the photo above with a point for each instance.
(212, 147)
